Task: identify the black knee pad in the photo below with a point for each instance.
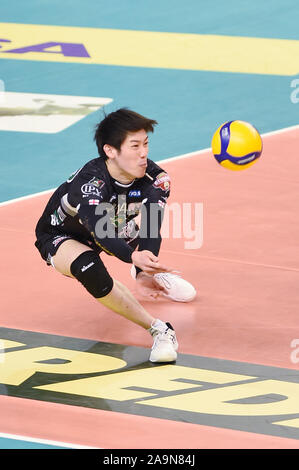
(89, 269)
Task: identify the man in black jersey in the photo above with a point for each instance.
(94, 211)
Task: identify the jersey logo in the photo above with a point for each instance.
(162, 182)
(73, 175)
(57, 217)
(97, 182)
(92, 187)
(89, 189)
(134, 193)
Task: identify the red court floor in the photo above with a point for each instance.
(246, 273)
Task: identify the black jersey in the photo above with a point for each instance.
(93, 207)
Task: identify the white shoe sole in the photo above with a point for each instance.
(169, 356)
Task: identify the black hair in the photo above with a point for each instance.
(113, 129)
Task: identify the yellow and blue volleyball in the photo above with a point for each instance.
(237, 145)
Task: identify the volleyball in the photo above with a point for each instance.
(237, 145)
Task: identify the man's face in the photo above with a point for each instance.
(131, 159)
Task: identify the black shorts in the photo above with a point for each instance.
(48, 244)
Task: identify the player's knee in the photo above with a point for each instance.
(89, 269)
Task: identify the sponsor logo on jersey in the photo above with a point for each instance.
(162, 182)
(87, 189)
(57, 217)
(134, 193)
(92, 187)
(97, 182)
(73, 175)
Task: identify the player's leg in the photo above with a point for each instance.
(67, 252)
(119, 299)
(76, 260)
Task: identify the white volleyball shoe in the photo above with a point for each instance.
(177, 289)
(165, 343)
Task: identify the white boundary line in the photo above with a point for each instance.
(167, 160)
(44, 441)
(23, 198)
